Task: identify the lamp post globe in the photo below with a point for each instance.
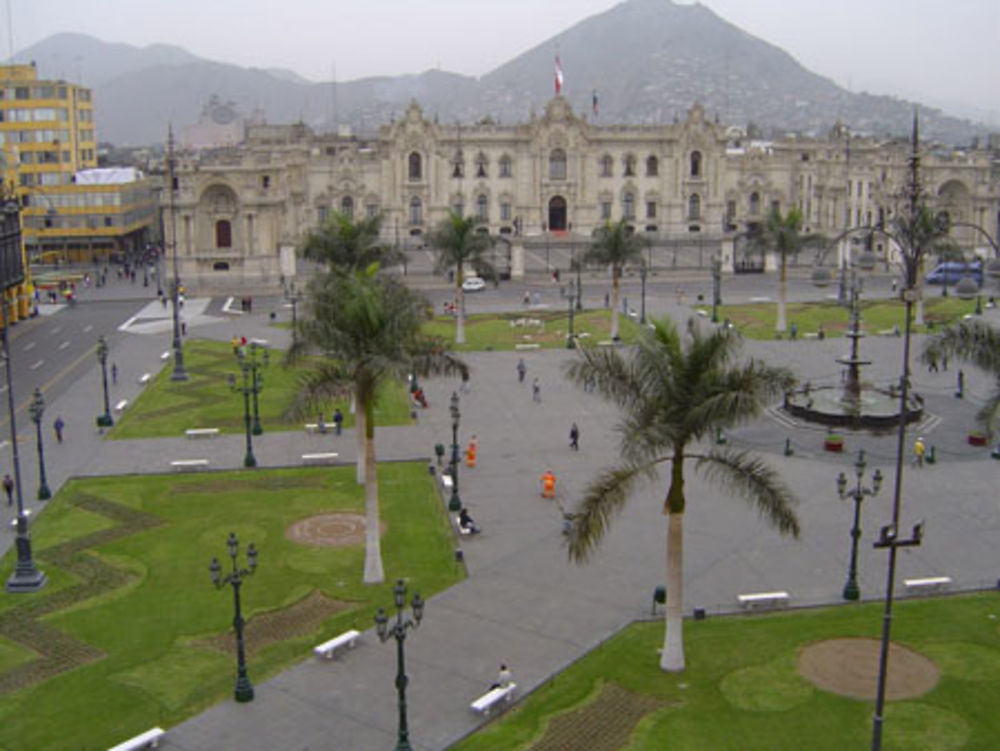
(36, 409)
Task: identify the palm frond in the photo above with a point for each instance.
(973, 342)
(328, 381)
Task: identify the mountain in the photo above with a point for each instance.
(648, 60)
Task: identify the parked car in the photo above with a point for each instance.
(474, 284)
(952, 272)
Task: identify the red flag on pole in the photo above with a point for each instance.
(559, 76)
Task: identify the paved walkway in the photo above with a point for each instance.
(523, 602)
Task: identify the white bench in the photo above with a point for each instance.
(184, 464)
(149, 739)
(165, 356)
(327, 648)
(446, 481)
(763, 599)
(326, 456)
(312, 427)
(13, 522)
(927, 584)
(201, 432)
(145, 378)
(494, 696)
(121, 405)
(533, 345)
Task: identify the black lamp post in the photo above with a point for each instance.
(244, 690)
(857, 494)
(36, 409)
(716, 287)
(249, 460)
(642, 296)
(398, 631)
(179, 373)
(578, 263)
(25, 578)
(571, 338)
(294, 297)
(454, 503)
(256, 380)
(105, 420)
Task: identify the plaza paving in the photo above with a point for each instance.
(523, 602)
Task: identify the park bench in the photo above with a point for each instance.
(927, 584)
(532, 345)
(201, 432)
(313, 427)
(491, 698)
(327, 648)
(121, 405)
(763, 599)
(13, 522)
(446, 481)
(149, 739)
(145, 378)
(165, 356)
(811, 335)
(184, 464)
(319, 458)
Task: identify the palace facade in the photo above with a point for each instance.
(692, 186)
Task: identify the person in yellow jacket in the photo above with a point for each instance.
(548, 481)
(918, 450)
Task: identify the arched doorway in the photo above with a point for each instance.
(557, 214)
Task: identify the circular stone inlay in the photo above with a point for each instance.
(850, 667)
(330, 530)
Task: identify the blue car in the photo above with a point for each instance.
(952, 272)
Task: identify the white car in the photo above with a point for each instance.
(474, 284)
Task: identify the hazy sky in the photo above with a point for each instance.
(937, 51)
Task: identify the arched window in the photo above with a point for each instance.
(694, 206)
(557, 165)
(416, 167)
(223, 234)
(481, 165)
(458, 164)
(695, 164)
(607, 165)
(416, 211)
(482, 210)
(505, 168)
(629, 206)
(629, 165)
(347, 206)
(754, 203)
(652, 166)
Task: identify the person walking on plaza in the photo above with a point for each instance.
(574, 437)
(918, 451)
(536, 390)
(548, 481)
(114, 374)
(522, 370)
(58, 426)
(338, 420)
(8, 488)
(321, 424)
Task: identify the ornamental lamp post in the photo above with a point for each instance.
(294, 297)
(642, 296)
(716, 287)
(36, 409)
(454, 503)
(248, 460)
(179, 373)
(570, 338)
(398, 632)
(244, 689)
(105, 420)
(857, 494)
(257, 381)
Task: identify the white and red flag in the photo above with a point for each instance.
(559, 76)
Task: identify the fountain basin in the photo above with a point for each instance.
(874, 409)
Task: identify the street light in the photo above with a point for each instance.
(244, 690)
(36, 409)
(857, 494)
(105, 420)
(25, 578)
(256, 379)
(179, 373)
(454, 503)
(398, 631)
(294, 297)
(577, 263)
(716, 287)
(570, 338)
(642, 302)
(249, 460)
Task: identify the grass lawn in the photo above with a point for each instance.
(502, 331)
(133, 634)
(168, 408)
(741, 690)
(757, 321)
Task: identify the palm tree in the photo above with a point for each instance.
(782, 235)
(460, 243)
(367, 328)
(675, 391)
(978, 344)
(345, 244)
(615, 245)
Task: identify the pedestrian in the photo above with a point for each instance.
(114, 374)
(522, 369)
(8, 488)
(464, 388)
(918, 451)
(607, 299)
(504, 679)
(932, 366)
(548, 481)
(894, 285)
(574, 437)
(338, 420)
(960, 382)
(184, 328)
(944, 362)
(321, 424)
(536, 390)
(58, 426)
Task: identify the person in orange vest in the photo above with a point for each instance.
(548, 484)
(470, 453)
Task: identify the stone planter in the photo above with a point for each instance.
(977, 439)
(834, 443)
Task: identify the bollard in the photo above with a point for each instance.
(659, 598)
(720, 436)
(788, 447)
(931, 455)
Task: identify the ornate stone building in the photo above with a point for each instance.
(692, 186)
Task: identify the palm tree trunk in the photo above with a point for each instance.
(373, 548)
(672, 655)
(360, 427)
(614, 303)
(781, 325)
(460, 304)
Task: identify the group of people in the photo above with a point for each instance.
(338, 422)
